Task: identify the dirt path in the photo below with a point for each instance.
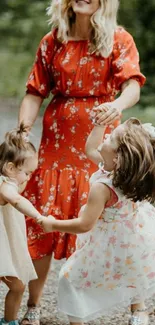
(50, 314)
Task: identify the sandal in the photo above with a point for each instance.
(4, 322)
(139, 317)
(32, 316)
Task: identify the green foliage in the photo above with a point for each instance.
(138, 17)
(23, 23)
(14, 71)
(145, 115)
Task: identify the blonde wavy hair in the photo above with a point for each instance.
(103, 21)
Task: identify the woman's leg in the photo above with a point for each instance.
(32, 316)
(13, 297)
(42, 267)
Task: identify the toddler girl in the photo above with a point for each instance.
(18, 160)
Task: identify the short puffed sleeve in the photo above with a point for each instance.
(125, 59)
(40, 81)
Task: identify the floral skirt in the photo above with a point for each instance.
(112, 266)
(60, 193)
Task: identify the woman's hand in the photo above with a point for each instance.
(106, 114)
(46, 223)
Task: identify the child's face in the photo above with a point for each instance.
(23, 173)
(108, 149)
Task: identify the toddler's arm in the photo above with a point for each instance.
(98, 196)
(10, 195)
(94, 139)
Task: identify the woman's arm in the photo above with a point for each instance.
(93, 141)
(98, 196)
(29, 110)
(129, 96)
(10, 195)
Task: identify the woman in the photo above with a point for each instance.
(85, 61)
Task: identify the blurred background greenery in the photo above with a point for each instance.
(23, 24)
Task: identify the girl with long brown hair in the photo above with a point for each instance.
(114, 261)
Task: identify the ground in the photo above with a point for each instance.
(50, 313)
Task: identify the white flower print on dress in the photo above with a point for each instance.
(84, 60)
(79, 83)
(74, 109)
(44, 46)
(66, 59)
(73, 129)
(69, 82)
(31, 77)
(73, 149)
(55, 164)
(57, 136)
(42, 87)
(57, 145)
(91, 92)
(41, 160)
(82, 156)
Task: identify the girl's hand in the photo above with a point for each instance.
(106, 114)
(46, 223)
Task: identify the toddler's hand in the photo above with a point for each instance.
(98, 111)
(46, 223)
(107, 114)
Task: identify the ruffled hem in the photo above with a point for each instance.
(25, 279)
(115, 252)
(89, 304)
(60, 192)
(113, 265)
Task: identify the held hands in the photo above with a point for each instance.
(46, 223)
(106, 114)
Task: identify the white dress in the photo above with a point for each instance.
(114, 263)
(15, 259)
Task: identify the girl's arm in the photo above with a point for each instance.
(98, 196)
(10, 195)
(29, 110)
(94, 139)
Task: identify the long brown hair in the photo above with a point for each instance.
(15, 148)
(135, 170)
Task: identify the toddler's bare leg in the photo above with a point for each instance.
(13, 297)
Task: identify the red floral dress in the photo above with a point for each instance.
(79, 81)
